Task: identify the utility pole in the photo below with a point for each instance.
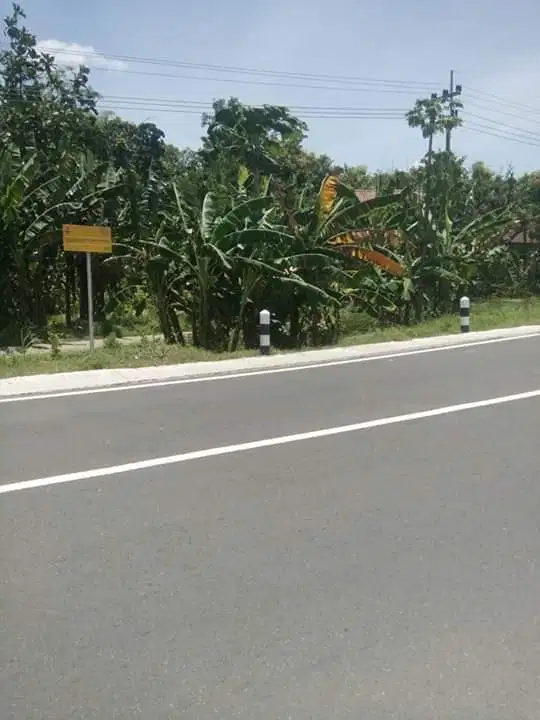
(449, 96)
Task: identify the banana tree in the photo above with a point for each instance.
(348, 224)
(327, 234)
(201, 258)
(440, 262)
(34, 202)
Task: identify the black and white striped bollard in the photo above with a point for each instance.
(264, 332)
(464, 307)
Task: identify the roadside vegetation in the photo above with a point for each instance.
(148, 351)
(205, 238)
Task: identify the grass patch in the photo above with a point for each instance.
(484, 316)
(121, 326)
(358, 330)
(110, 355)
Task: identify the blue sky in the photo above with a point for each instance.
(491, 44)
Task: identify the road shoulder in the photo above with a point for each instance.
(85, 380)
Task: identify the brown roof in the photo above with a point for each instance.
(364, 195)
(521, 236)
(390, 238)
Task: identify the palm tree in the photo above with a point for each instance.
(428, 115)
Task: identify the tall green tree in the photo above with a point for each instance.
(256, 137)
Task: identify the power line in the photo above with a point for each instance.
(368, 84)
(199, 106)
(116, 103)
(321, 113)
(307, 111)
(340, 83)
(513, 128)
(482, 106)
(306, 114)
(347, 83)
(486, 130)
(202, 103)
(269, 83)
(505, 131)
(240, 70)
(503, 101)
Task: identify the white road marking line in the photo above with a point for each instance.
(142, 385)
(257, 444)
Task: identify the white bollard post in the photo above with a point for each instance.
(264, 332)
(464, 308)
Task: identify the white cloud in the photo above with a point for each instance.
(73, 54)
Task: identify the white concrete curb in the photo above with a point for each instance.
(62, 382)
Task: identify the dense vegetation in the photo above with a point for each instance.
(205, 238)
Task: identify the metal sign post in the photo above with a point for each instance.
(88, 239)
(90, 300)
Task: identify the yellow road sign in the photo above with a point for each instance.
(87, 238)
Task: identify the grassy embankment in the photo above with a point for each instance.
(140, 352)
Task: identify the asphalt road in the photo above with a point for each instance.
(386, 573)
